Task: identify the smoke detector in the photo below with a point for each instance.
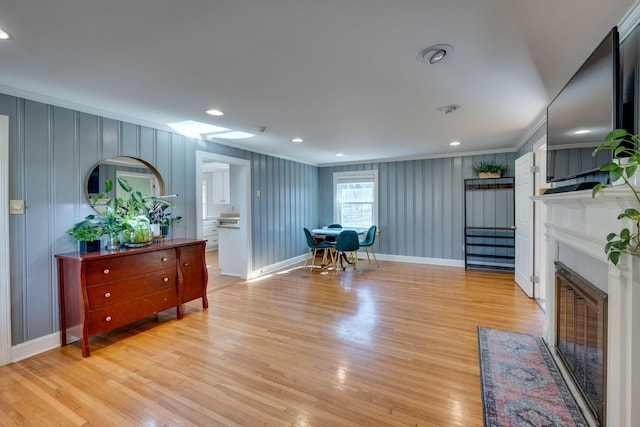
(448, 108)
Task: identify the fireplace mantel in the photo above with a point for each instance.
(580, 222)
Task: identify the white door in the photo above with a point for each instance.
(524, 223)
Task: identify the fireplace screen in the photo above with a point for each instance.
(581, 339)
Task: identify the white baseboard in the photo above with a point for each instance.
(267, 269)
(417, 260)
(36, 346)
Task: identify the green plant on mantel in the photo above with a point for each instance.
(625, 148)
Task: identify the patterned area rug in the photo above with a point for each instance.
(521, 384)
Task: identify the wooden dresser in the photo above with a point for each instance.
(100, 291)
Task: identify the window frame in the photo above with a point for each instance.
(355, 176)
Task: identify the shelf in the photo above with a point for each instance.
(489, 235)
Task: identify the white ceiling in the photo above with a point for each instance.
(341, 74)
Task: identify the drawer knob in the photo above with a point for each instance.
(164, 259)
(107, 294)
(106, 271)
(108, 318)
(165, 279)
(186, 264)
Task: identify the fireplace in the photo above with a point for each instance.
(581, 337)
(576, 227)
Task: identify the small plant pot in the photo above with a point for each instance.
(488, 175)
(165, 231)
(91, 246)
(113, 241)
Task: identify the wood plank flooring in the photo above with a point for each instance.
(388, 346)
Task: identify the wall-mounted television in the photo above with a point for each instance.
(585, 110)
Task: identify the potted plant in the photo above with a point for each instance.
(160, 215)
(625, 148)
(88, 233)
(489, 169)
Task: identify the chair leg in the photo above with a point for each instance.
(373, 254)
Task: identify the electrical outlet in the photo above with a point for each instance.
(16, 207)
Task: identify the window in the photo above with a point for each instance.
(356, 198)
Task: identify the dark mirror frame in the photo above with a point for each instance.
(95, 181)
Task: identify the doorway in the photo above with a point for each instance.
(239, 202)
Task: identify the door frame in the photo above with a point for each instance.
(244, 196)
(540, 217)
(5, 276)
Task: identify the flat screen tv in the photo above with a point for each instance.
(582, 114)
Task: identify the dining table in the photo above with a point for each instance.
(335, 232)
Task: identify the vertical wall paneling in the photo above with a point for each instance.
(51, 150)
(421, 212)
(37, 187)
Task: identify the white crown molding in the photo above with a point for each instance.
(629, 21)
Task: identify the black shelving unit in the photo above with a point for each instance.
(489, 223)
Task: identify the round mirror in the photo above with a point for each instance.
(140, 175)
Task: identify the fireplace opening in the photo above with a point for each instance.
(581, 336)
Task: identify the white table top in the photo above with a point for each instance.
(337, 231)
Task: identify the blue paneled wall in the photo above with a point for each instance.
(52, 149)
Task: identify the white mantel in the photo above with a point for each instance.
(582, 223)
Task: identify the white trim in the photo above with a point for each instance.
(363, 175)
(36, 346)
(423, 157)
(421, 260)
(272, 268)
(5, 277)
(629, 21)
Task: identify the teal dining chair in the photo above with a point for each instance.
(347, 243)
(368, 242)
(313, 249)
(332, 239)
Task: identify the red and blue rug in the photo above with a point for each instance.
(521, 384)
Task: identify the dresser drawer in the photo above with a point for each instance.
(123, 290)
(116, 268)
(117, 315)
(193, 269)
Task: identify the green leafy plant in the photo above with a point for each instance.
(159, 212)
(87, 230)
(116, 215)
(625, 148)
(489, 167)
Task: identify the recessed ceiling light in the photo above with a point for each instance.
(4, 35)
(434, 54)
(339, 155)
(296, 140)
(454, 143)
(215, 112)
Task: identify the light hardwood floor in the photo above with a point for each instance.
(388, 346)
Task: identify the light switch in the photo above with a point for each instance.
(16, 207)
